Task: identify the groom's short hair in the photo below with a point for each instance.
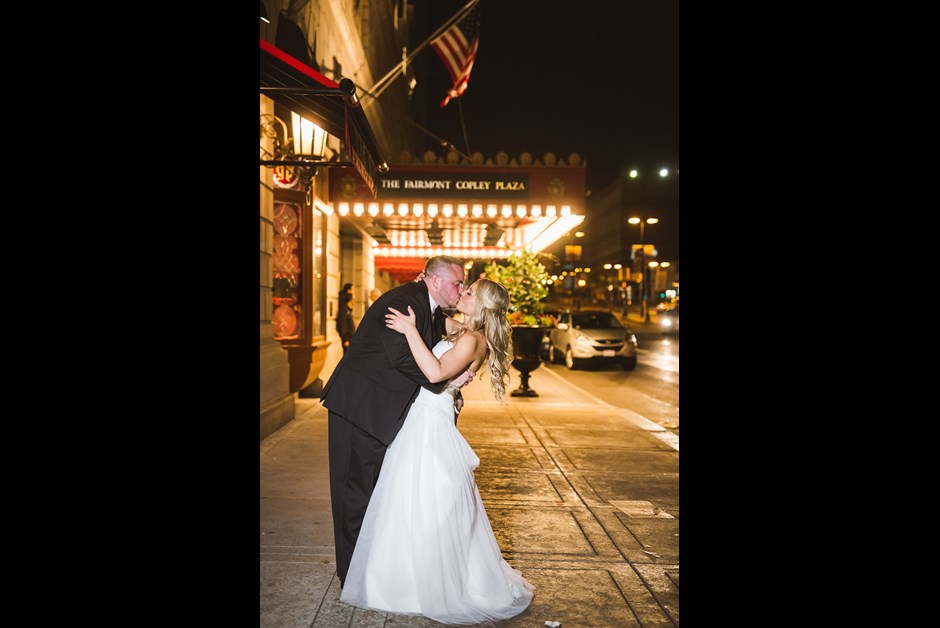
(437, 263)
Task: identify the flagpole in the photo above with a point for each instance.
(462, 125)
(380, 86)
(376, 90)
(444, 143)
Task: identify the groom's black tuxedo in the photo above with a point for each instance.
(377, 379)
(368, 397)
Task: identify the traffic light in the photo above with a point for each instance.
(662, 295)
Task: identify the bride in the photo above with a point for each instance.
(426, 546)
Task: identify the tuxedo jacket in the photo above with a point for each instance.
(377, 379)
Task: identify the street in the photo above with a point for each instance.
(651, 390)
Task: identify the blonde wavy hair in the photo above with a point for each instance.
(489, 315)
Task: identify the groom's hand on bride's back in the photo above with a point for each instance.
(458, 405)
(460, 381)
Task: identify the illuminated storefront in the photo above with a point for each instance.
(475, 212)
(304, 115)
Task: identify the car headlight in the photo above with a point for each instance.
(667, 322)
(581, 339)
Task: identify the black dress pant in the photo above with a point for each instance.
(355, 461)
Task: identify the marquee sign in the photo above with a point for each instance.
(487, 184)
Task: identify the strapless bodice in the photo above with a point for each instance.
(439, 349)
(450, 391)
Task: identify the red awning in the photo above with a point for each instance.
(401, 269)
(333, 106)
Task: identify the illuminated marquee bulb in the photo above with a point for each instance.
(388, 209)
(358, 209)
(491, 211)
(477, 210)
(373, 209)
(417, 209)
(343, 209)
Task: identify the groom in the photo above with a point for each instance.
(371, 390)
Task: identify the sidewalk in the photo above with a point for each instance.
(583, 498)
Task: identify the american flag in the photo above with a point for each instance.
(457, 48)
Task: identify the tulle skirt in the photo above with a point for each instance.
(426, 546)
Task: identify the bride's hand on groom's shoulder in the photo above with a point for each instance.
(399, 321)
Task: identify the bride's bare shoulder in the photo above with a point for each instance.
(477, 338)
(471, 337)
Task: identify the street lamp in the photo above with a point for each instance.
(646, 272)
(573, 256)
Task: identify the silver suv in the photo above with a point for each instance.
(591, 336)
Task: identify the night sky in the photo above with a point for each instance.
(602, 81)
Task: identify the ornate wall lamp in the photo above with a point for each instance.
(296, 154)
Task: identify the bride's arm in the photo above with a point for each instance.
(453, 362)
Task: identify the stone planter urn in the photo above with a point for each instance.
(526, 342)
(526, 281)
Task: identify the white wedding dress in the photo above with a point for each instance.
(426, 546)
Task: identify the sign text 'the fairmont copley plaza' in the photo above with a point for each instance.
(537, 184)
(478, 185)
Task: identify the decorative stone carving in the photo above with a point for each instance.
(502, 158)
(555, 187)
